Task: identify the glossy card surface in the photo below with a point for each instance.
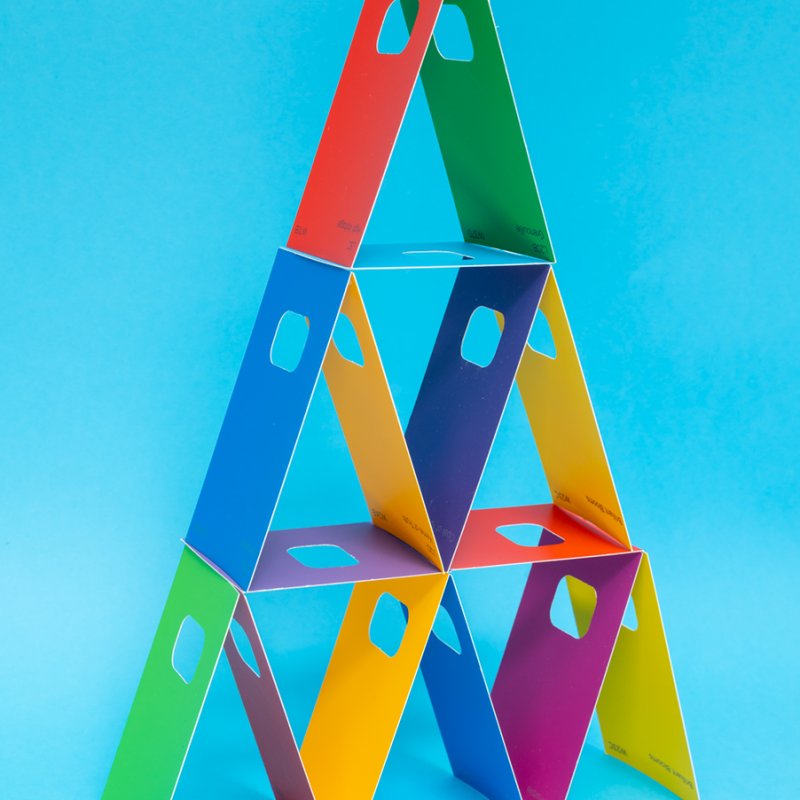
(376, 554)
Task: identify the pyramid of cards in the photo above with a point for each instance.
(521, 737)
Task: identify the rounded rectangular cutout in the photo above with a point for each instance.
(395, 31)
(322, 556)
(241, 642)
(541, 337)
(445, 631)
(440, 257)
(562, 615)
(482, 337)
(289, 341)
(388, 624)
(188, 648)
(526, 534)
(630, 620)
(345, 340)
(451, 34)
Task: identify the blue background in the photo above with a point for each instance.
(152, 156)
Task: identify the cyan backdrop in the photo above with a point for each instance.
(151, 158)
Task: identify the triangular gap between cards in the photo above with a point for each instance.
(490, 597)
(298, 629)
(487, 162)
(321, 465)
(415, 203)
(352, 436)
(418, 742)
(406, 308)
(563, 422)
(514, 475)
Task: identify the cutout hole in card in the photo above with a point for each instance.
(541, 337)
(242, 643)
(322, 556)
(438, 257)
(345, 339)
(394, 35)
(630, 620)
(526, 534)
(451, 35)
(445, 631)
(289, 341)
(562, 615)
(188, 648)
(388, 624)
(482, 337)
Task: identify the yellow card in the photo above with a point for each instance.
(365, 690)
(375, 437)
(563, 422)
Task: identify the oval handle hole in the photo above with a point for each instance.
(445, 630)
(322, 556)
(289, 341)
(345, 340)
(451, 35)
(482, 336)
(526, 534)
(541, 337)
(188, 649)
(562, 615)
(396, 28)
(388, 624)
(241, 642)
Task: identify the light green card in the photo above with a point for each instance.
(166, 708)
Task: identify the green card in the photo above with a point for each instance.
(166, 707)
